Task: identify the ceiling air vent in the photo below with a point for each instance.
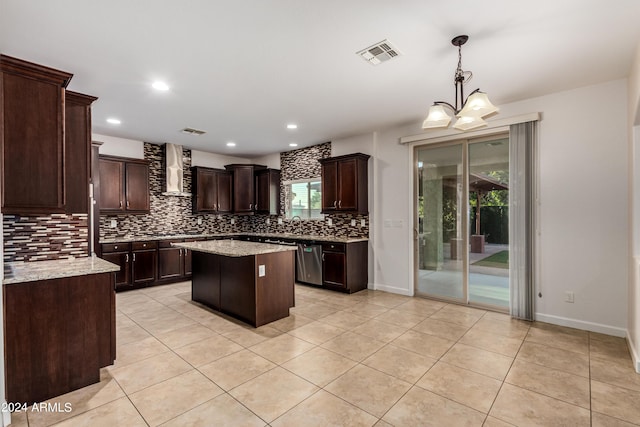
(192, 131)
(379, 52)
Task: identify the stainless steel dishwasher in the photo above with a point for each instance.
(309, 264)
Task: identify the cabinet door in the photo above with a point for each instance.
(137, 187)
(348, 185)
(334, 269)
(187, 258)
(262, 191)
(111, 185)
(32, 158)
(123, 260)
(206, 190)
(329, 186)
(170, 263)
(144, 266)
(224, 189)
(243, 189)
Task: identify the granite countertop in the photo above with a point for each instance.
(234, 248)
(20, 272)
(305, 237)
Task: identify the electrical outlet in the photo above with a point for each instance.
(233, 221)
(279, 221)
(363, 223)
(262, 271)
(353, 222)
(569, 296)
(199, 221)
(219, 216)
(114, 223)
(268, 221)
(329, 222)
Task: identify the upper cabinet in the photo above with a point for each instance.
(244, 190)
(124, 185)
(268, 191)
(32, 152)
(212, 190)
(77, 152)
(344, 184)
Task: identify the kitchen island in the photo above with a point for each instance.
(253, 282)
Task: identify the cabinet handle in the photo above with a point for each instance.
(127, 204)
(216, 206)
(250, 206)
(256, 207)
(339, 204)
(126, 257)
(322, 257)
(334, 203)
(120, 203)
(134, 257)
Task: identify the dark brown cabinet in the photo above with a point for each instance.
(345, 184)
(77, 151)
(345, 266)
(124, 185)
(32, 153)
(212, 189)
(119, 254)
(268, 191)
(244, 190)
(173, 263)
(58, 334)
(144, 262)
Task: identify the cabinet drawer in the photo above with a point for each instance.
(167, 243)
(137, 246)
(334, 247)
(116, 247)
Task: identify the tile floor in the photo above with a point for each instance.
(366, 359)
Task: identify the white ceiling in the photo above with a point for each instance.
(242, 70)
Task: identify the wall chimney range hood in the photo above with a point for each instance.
(174, 171)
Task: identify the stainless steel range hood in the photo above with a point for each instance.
(174, 171)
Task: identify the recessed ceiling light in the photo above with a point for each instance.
(293, 144)
(231, 144)
(113, 121)
(158, 85)
(292, 126)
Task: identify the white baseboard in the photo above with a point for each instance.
(391, 289)
(635, 357)
(581, 324)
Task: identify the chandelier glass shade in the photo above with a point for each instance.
(470, 112)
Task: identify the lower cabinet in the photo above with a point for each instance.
(119, 254)
(137, 260)
(345, 266)
(174, 263)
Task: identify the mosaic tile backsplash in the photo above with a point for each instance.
(172, 215)
(36, 238)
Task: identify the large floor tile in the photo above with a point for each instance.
(223, 410)
(481, 361)
(615, 373)
(447, 330)
(207, 350)
(420, 306)
(425, 344)
(492, 342)
(324, 409)
(615, 401)
(344, 319)
(319, 366)
(382, 331)
(503, 325)
(291, 322)
(601, 420)
(460, 315)
(556, 358)
(367, 310)
(369, 389)
(282, 348)
(185, 335)
(149, 371)
(526, 408)
(132, 333)
(558, 338)
(400, 363)
(461, 385)
(613, 350)
(235, 369)
(560, 385)
(317, 332)
(400, 318)
(246, 337)
(168, 399)
(422, 408)
(273, 393)
(354, 346)
(138, 350)
(117, 413)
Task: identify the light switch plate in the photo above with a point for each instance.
(114, 223)
(261, 271)
(353, 222)
(199, 221)
(233, 221)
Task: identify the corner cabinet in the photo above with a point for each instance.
(268, 191)
(124, 185)
(32, 152)
(212, 190)
(345, 184)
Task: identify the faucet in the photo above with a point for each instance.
(299, 223)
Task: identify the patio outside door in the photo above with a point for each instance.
(462, 222)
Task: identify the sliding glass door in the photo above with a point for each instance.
(461, 222)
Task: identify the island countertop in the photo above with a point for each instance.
(20, 272)
(234, 248)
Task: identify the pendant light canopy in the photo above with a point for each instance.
(471, 111)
